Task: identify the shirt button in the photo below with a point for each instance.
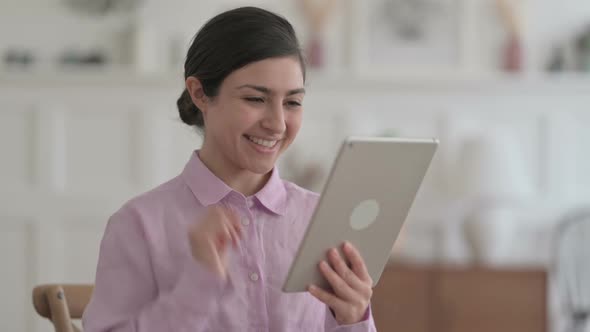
(254, 276)
(245, 221)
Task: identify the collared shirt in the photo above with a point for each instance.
(148, 281)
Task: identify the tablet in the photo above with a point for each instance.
(365, 201)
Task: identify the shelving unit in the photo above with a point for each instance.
(53, 126)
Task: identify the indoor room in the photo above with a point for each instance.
(498, 236)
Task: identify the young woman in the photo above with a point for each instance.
(210, 249)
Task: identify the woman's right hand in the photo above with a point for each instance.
(211, 238)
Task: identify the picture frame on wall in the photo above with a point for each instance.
(409, 38)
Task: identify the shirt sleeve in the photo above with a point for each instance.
(126, 296)
(366, 325)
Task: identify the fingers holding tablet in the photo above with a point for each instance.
(352, 286)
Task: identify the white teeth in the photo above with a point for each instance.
(263, 142)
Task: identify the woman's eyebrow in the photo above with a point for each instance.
(268, 91)
(296, 91)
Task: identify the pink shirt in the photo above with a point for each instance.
(147, 280)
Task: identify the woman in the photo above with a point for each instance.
(209, 250)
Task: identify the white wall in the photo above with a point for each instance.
(76, 146)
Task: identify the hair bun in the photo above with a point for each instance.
(189, 113)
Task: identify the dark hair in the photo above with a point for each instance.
(228, 42)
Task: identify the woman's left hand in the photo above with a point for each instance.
(352, 286)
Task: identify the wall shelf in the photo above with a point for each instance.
(343, 81)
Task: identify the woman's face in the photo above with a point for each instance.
(256, 114)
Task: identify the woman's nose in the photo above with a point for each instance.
(274, 119)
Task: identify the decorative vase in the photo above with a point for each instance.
(513, 55)
(316, 13)
(490, 234)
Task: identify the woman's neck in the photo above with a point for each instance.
(241, 180)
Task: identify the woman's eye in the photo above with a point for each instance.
(255, 99)
(294, 103)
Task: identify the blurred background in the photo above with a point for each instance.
(88, 120)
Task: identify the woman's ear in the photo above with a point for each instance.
(195, 90)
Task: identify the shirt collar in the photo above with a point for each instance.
(206, 186)
(209, 189)
(274, 195)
